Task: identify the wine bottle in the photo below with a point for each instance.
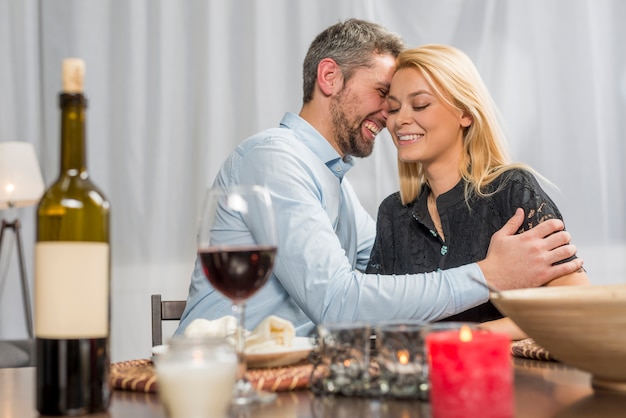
(72, 273)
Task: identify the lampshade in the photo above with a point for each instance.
(21, 183)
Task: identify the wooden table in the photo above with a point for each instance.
(542, 390)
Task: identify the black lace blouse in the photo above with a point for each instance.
(407, 242)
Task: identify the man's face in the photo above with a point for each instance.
(359, 110)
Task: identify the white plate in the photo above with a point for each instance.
(283, 356)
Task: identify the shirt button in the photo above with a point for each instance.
(444, 250)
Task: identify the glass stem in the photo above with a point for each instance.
(240, 340)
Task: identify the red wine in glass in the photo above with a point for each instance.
(238, 272)
(237, 244)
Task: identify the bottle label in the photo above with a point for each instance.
(71, 290)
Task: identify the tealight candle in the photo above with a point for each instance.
(470, 374)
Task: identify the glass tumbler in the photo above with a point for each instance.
(402, 359)
(344, 359)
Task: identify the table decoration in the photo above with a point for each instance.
(197, 377)
(140, 376)
(470, 374)
(401, 359)
(395, 366)
(342, 360)
(528, 348)
(582, 326)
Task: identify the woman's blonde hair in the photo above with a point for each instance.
(456, 80)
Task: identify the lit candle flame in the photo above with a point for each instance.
(465, 334)
(9, 188)
(403, 356)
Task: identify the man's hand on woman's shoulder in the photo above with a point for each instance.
(528, 259)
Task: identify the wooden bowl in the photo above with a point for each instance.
(583, 326)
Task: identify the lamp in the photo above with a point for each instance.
(21, 184)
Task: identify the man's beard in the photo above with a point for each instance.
(348, 133)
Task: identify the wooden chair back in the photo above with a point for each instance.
(164, 310)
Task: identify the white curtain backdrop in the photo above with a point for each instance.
(175, 85)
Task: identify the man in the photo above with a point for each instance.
(325, 235)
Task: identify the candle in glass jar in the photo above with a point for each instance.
(470, 374)
(196, 377)
(192, 390)
(405, 364)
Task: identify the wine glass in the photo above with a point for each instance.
(237, 246)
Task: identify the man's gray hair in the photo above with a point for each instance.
(351, 44)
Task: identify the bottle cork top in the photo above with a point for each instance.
(73, 70)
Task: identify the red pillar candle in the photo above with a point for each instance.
(470, 374)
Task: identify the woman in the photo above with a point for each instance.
(457, 184)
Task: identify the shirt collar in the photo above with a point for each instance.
(318, 144)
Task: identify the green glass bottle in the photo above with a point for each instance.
(72, 273)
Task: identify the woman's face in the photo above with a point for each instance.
(424, 128)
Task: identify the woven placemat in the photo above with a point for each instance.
(140, 376)
(529, 349)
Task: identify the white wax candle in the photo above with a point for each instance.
(196, 389)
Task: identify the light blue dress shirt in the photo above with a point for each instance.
(324, 242)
